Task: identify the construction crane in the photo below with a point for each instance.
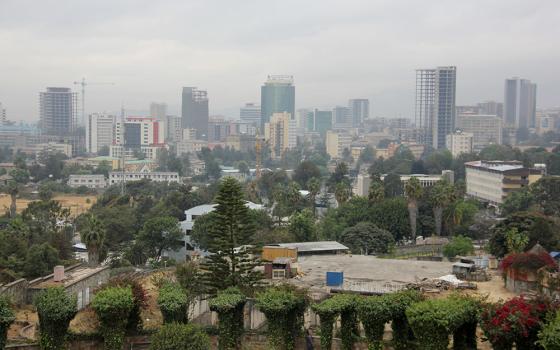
(83, 83)
(258, 159)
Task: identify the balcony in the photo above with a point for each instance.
(522, 182)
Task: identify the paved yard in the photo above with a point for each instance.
(367, 269)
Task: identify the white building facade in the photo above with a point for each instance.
(99, 131)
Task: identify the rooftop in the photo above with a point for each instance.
(320, 246)
(70, 277)
(496, 165)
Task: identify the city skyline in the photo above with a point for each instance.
(126, 44)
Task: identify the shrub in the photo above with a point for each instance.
(328, 310)
(432, 321)
(56, 309)
(399, 302)
(516, 321)
(176, 336)
(113, 306)
(139, 295)
(229, 306)
(173, 303)
(7, 317)
(374, 312)
(459, 245)
(549, 336)
(283, 308)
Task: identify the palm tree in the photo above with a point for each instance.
(314, 187)
(376, 193)
(442, 195)
(12, 188)
(413, 191)
(342, 192)
(93, 236)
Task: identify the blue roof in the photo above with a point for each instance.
(555, 255)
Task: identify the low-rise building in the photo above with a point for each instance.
(116, 177)
(90, 181)
(363, 181)
(53, 148)
(486, 129)
(493, 181)
(190, 146)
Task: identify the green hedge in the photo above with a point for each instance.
(7, 317)
(229, 306)
(549, 336)
(113, 306)
(374, 312)
(434, 320)
(284, 309)
(399, 302)
(173, 303)
(56, 309)
(177, 336)
(345, 306)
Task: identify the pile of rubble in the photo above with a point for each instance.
(436, 285)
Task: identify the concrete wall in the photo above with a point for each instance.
(16, 291)
(84, 288)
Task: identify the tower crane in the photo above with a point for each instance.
(83, 84)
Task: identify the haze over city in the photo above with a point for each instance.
(335, 50)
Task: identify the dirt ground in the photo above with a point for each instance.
(76, 203)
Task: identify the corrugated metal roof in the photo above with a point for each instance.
(314, 246)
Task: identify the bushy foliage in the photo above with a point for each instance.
(432, 321)
(399, 302)
(549, 336)
(528, 261)
(176, 336)
(374, 312)
(283, 308)
(173, 303)
(229, 306)
(345, 306)
(139, 295)
(516, 321)
(56, 309)
(7, 317)
(113, 306)
(459, 245)
(366, 238)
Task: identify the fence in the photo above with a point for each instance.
(414, 251)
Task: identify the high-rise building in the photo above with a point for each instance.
(173, 128)
(459, 142)
(278, 95)
(520, 103)
(251, 113)
(133, 134)
(99, 131)
(359, 110)
(435, 104)
(486, 129)
(194, 110)
(280, 133)
(3, 117)
(158, 110)
(342, 117)
(491, 107)
(58, 109)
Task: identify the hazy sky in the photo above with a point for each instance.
(335, 49)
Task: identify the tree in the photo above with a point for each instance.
(538, 227)
(459, 245)
(243, 168)
(365, 238)
(56, 309)
(93, 236)
(305, 171)
(40, 260)
(13, 186)
(302, 226)
(176, 336)
(314, 187)
(546, 193)
(159, 234)
(367, 155)
(376, 193)
(413, 191)
(342, 192)
(441, 195)
(393, 185)
(200, 232)
(231, 262)
(516, 242)
(339, 175)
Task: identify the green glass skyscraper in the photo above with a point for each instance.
(278, 95)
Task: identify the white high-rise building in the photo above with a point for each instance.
(435, 104)
(58, 110)
(486, 129)
(173, 129)
(250, 113)
(99, 131)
